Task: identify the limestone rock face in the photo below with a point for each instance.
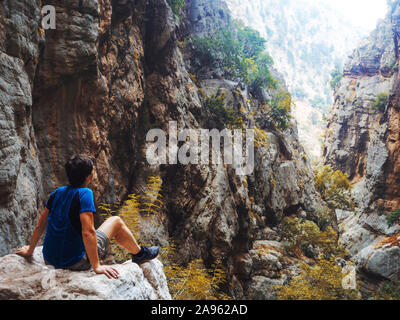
(31, 279)
(371, 243)
(110, 72)
(363, 142)
(62, 92)
(20, 194)
(358, 139)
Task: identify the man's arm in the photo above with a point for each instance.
(90, 240)
(27, 251)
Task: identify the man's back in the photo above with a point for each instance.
(63, 244)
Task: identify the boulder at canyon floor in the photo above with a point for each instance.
(30, 279)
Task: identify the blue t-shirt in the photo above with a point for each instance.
(63, 244)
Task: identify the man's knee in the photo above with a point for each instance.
(116, 221)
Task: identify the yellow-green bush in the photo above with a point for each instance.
(221, 113)
(193, 281)
(260, 138)
(298, 235)
(280, 108)
(133, 211)
(321, 278)
(322, 281)
(334, 187)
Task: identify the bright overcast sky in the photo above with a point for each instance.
(364, 13)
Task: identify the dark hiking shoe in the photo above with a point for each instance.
(145, 254)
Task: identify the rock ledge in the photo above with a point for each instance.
(31, 279)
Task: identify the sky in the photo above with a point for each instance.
(364, 13)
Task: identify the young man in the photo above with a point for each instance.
(71, 241)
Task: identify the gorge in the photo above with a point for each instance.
(112, 70)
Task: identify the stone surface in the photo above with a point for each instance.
(31, 279)
(20, 174)
(364, 143)
(262, 288)
(385, 263)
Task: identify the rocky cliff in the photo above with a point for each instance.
(111, 71)
(362, 139)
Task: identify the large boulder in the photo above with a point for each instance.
(31, 279)
(382, 258)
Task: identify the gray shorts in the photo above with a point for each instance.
(84, 263)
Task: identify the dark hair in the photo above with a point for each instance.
(78, 168)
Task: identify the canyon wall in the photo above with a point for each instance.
(111, 71)
(20, 178)
(363, 141)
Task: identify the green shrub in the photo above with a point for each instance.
(388, 291)
(221, 114)
(280, 108)
(221, 49)
(261, 77)
(176, 6)
(393, 218)
(240, 53)
(336, 75)
(381, 102)
(323, 217)
(251, 41)
(335, 81)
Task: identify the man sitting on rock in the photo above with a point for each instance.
(71, 241)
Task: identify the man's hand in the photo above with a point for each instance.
(27, 251)
(109, 271)
(24, 251)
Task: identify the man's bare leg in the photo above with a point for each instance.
(116, 229)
